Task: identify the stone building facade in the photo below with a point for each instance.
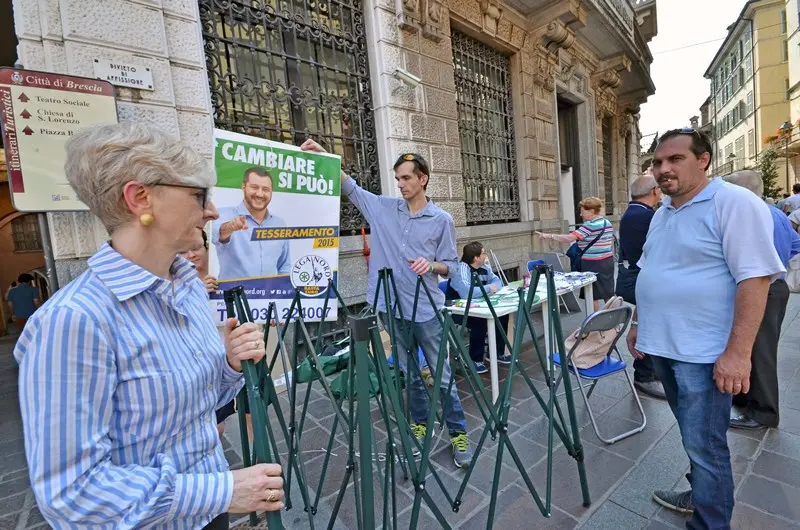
(522, 107)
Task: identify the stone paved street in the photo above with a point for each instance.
(621, 476)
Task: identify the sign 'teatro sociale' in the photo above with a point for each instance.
(39, 112)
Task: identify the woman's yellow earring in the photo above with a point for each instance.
(146, 219)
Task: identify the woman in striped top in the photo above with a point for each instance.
(596, 244)
(121, 370)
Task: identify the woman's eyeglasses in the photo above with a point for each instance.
(202, 195)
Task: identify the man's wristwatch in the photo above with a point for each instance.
(430, 268)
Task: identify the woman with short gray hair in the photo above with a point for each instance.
(121, 370)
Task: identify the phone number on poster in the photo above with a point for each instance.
(261, 314)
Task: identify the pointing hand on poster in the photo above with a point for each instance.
(227, 229)
(314, 147)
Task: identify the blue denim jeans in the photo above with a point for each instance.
(478, 330)
(703, 414)
(428, 335)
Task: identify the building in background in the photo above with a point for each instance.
(20, 243)
(749, 85)
(523, 108)
(646, 156)
(790, 143)
(705, 125)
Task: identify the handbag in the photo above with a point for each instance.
(793, 274)
(575, 254)
(596, 345)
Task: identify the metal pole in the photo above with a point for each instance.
(47, 250)
(787, 163)
(360, 340)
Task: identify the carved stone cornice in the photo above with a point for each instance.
(567, 70)
(569, 13)
(606, 80)
(545, 67)
(432, 16)
(619, 63)
(632, 101)
(625, 123)
(605, 104)
(491, 11)
(427, 15)
(557, 36)
(586, 58)
(563, 18)
(489, 17)
(409, 14)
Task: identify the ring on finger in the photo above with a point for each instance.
(273, 496)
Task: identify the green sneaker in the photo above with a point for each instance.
(462, 452)
(419, 430)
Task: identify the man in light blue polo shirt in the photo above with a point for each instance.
(705, 272)
(414, 238)
(240, 255)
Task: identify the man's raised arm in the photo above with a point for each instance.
(367, 203)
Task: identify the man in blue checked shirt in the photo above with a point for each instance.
(759, 407)
(239, 256)
(122, 369)
(414, 238)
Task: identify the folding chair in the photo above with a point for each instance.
(604, 320)
(533, 263)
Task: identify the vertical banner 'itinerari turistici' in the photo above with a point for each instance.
(278, 226)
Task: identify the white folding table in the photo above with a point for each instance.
(480, 309)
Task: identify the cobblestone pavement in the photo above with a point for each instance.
(621, 476)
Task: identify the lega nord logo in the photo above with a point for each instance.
(311, 274)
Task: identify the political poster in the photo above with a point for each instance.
(278, 227)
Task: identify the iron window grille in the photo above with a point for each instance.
(25, 233)
(486, 128)
(286, 71)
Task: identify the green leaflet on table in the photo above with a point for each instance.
(498, 301)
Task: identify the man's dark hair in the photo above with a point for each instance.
(25, 278)
(205, 239)
(787, 195)
(700, 142)
(260, 171)
(471, 251)
(421, 167)
(796, 188)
